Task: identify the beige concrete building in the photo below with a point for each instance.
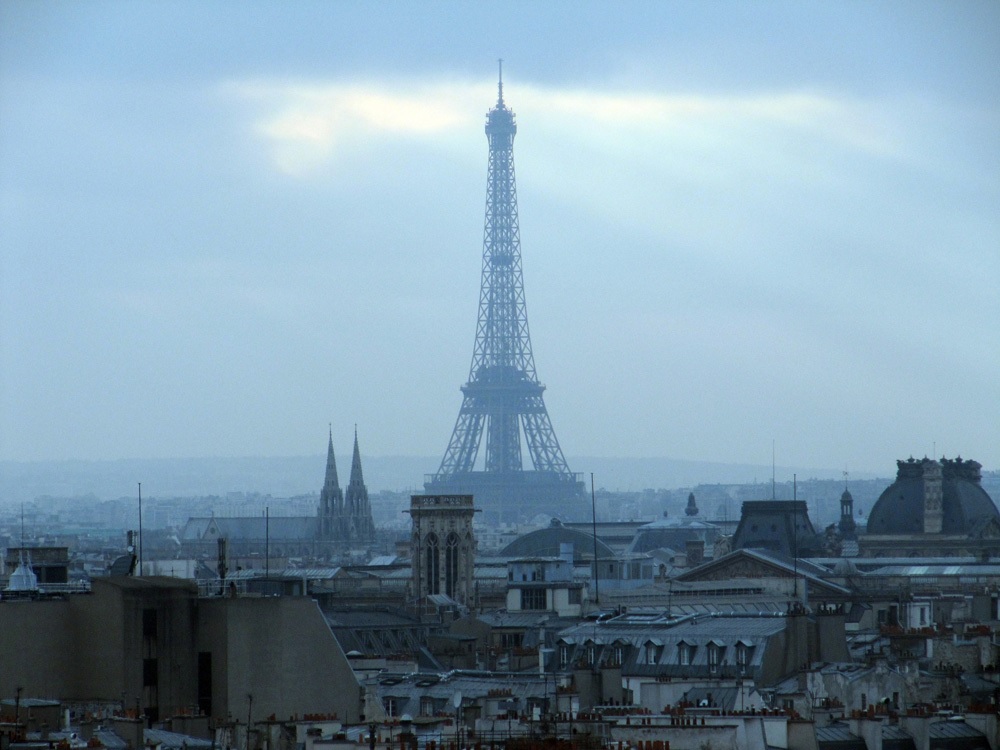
(152, 643)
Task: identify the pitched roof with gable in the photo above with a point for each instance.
(755, 563)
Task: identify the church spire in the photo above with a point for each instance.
(331, 499)
(356, 476)
(356, 503)
(331, 465)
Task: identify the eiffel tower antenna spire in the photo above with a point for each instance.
(502, 399)
(500, 84)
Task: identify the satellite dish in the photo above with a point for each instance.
(456, 699)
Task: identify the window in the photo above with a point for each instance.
(714, 657)
(619, 653)
(533, 599)
(511, 640)
(651, 653)
(742, 657)
(451, 565)
(426, 706)
(205, 682)
(563, 655)
(391, 705)
(149, 672)
(575, 596)
(685, 654)
(433, 565)
(591, 654)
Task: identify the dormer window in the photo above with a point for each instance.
(715, 650)
(651, 653)
(685, 653)
(426, 705)
(619, 653)
(742, 656)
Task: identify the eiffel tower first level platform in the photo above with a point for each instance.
(502, 400)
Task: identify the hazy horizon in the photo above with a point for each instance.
(290, 476)
(224, 226)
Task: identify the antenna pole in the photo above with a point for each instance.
(593, 512)
(267, 543)
(140, 528)
(772, 469)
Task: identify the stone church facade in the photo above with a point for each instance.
(443, 546)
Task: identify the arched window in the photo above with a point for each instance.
(451, 565)
(433, 565)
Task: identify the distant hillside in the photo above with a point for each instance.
(296, 475)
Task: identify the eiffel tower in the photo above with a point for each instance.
(503, 396)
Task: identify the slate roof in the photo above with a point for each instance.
(408, 689)
(277, 528)
(815, 574)
(174, 740)
(955, 730)
(635, 632)
(546, 541)
(838, 737)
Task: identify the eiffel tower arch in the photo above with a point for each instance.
(502, 399)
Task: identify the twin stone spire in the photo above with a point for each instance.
(345, 517)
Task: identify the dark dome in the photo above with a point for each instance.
(545, 543)
(965, 505)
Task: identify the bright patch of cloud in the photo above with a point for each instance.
(306, 125)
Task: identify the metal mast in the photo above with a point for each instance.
(503, 396)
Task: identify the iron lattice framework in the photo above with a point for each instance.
(503, 395)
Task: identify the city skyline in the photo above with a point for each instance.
(225, 226)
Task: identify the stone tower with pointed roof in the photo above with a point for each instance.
(357, 508)
(331, 499)
(345, 517)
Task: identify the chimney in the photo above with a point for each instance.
(695, 549)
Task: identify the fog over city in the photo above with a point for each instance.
(225, 225)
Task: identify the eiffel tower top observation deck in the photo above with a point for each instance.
(503, 397)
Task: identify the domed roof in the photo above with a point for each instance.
(965, 505)
(545, 543)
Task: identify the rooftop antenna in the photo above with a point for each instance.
(500, 83)
(593, 511)
(772, 469)
(140, 528)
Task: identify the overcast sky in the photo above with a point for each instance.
(224, 225)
